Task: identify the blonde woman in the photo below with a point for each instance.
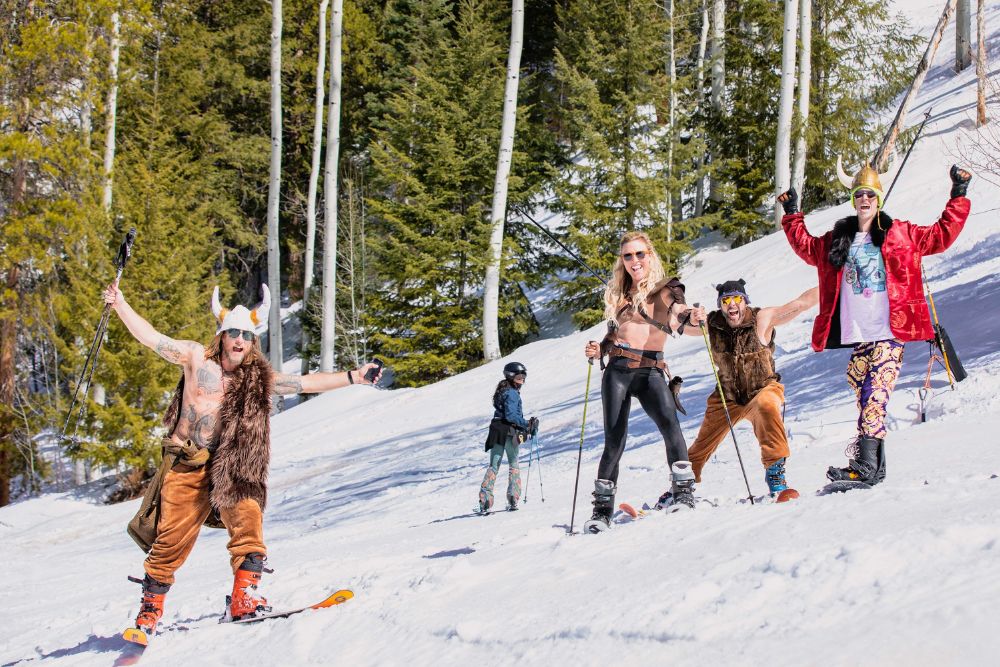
(643, 308)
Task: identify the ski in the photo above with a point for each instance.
(136, 640)
(842, 486)
(334, 599)
(632, 512)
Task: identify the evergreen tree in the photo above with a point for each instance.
(610, 62)
(433, 165)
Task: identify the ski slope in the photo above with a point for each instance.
(373, 491)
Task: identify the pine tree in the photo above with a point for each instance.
(433, 166)
(610, 63)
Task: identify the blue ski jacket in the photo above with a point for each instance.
(507, 408)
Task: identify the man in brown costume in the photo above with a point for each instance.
(219, 447)
(742, 342)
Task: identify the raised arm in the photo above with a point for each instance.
(317, 383)
(768, 318)
(936, 238)
(179, 352)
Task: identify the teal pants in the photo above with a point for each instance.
(514, 478)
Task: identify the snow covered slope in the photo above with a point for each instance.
(373, 491)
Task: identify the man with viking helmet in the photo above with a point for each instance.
(217, 450)
(871, 297)
(643, 307)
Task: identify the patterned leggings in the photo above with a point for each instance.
(514, 480)
(872, 374)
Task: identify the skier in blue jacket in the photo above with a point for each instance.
(508, 430)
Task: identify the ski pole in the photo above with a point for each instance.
(527, 479)
(561, 245)
(579, 457)
(541, 486)
(90, 363)
(725, 408)
(937, 330)
(927, 117)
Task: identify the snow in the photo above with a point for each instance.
(373, 491)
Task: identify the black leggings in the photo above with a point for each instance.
(618, 386)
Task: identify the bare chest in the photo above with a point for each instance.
(204, 390)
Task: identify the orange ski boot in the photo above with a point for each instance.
(153, 594)
(243, 603)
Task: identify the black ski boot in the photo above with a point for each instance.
(866, 465)
(681, 488)
(604, 504)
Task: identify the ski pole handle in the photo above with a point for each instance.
(125, 250)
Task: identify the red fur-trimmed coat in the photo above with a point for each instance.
(242, 454)
(902, 245)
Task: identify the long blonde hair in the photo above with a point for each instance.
(616, 293)
(214, 350)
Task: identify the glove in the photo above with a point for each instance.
(789, 201)
(533, 426)
(959, 181)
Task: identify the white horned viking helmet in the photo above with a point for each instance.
(241, 317)
(867, 178)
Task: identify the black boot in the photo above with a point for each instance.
(880, 475)
(604, 504)
(864, 466)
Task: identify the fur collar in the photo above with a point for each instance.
(844, 231)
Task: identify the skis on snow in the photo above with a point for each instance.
(136, 640)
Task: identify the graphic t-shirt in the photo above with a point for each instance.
(864, 301)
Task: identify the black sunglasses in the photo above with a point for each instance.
(639, 255)
(248, 336)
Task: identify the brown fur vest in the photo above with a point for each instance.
(240, 458)
(745, 365)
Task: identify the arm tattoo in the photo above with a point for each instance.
(169, 350)
(287, 384)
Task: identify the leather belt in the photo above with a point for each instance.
(637, 359)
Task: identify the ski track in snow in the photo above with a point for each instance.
(373, 491)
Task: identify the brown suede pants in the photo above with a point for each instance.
(184, 506)
(763, 412)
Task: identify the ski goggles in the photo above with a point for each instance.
(640, 255)
(733, 299)
(868, 194)
(248, 336)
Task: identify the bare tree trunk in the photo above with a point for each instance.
(330, 191)
(699, 192)
(717, 54)
(981, 118)
(672, 79)
(273, 194)
(889, 142)
(491, 291)
(112, 112)
(786, 102)
(963, 35)
(307, 279)
(805, 74)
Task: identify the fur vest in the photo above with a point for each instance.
(240, 457)
(745, 365)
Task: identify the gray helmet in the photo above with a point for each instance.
(514, 368)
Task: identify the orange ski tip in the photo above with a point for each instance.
(628, 509)
(337, 598)
(786, 495)
(135, 636)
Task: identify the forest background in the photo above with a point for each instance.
(155, 114)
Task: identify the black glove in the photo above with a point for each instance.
(959, 181)
(789, 201)
(533, 426)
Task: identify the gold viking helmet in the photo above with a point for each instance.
(867, 178)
